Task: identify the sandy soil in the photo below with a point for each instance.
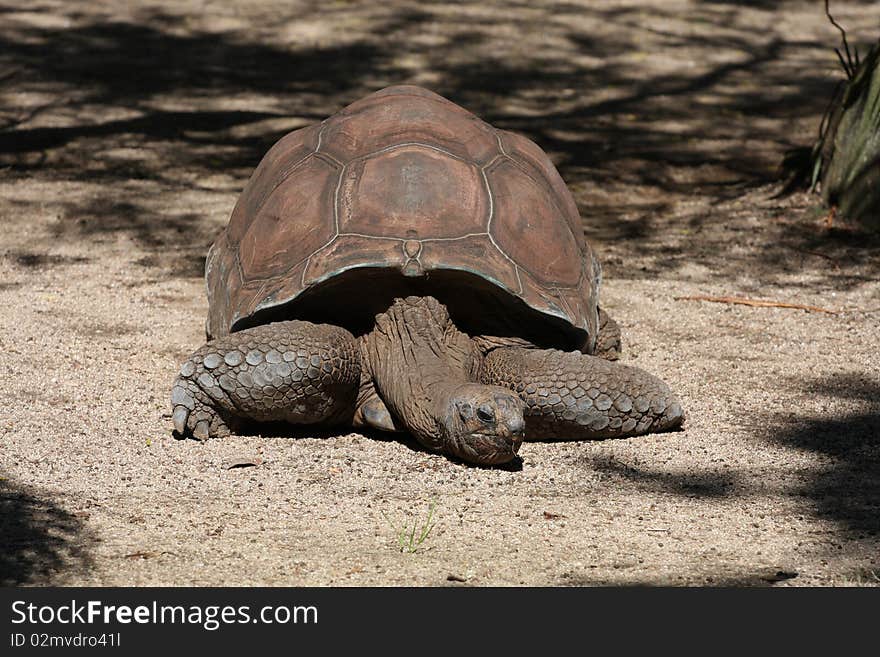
(127, 134)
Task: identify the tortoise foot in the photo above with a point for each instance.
(293, 371)
(194, 412)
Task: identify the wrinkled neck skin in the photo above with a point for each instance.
(418, 358)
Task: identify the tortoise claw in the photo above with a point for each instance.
(179, 418)
(202, 431)
(194, 411)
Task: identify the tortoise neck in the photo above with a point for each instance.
(417, 358)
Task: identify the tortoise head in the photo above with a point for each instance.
(482, 424)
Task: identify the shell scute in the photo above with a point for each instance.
(407, 181)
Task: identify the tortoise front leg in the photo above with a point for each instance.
(575, 396)
(293, 371)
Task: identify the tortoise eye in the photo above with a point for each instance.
(486, 414)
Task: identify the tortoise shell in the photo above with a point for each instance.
(404, 192)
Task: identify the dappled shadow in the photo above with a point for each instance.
(846, 488)
(38, 540)
(152, 125)
(177, 240)
(843, 487)
(101, 69)
(149, 108)
(36, 260)
(707, 484)
(792, 247)
(186, 104)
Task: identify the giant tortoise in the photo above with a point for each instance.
(405, 266)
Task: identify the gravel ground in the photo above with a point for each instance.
(128, 130)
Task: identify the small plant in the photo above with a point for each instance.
(409, 539)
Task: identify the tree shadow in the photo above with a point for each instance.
(136, 67)
(176, 241)
(38, 539)
(36, 260)
(706, 484)
(843, 489)
(642, 109)
(846, 490)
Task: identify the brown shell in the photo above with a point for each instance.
(405, 180)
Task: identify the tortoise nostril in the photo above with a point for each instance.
(486, 414)
(517, 426)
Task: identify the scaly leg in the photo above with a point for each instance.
(294, 371)
(575, 396)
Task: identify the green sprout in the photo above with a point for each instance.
(409, 539)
